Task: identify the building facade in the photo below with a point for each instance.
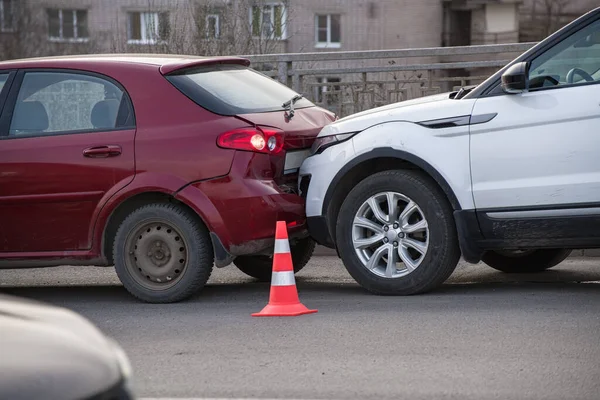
(48, 27)
(539, 18)
(476, 22)
(52, 27)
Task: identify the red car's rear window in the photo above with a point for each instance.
(233, 89)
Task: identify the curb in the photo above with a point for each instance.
(321, 251)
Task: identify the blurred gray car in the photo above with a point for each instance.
(48, 352)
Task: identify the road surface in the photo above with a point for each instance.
(483, 335)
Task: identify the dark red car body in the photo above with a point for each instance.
(59, 207)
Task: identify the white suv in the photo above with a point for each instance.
(507, 172)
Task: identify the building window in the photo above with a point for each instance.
(269, 21)
(328, 93)
(212, 26)
(67, 25)
(148, 27)
(328, 30)
(7, 16)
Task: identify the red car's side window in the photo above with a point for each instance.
(3, 79)
(61, 102)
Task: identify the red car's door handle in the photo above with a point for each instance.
(102, 151)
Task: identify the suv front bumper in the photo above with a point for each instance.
(317, 175)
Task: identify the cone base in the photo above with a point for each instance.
(284, 310)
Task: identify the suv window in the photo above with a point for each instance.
(52, 102)
(233, 89)
(575, 60)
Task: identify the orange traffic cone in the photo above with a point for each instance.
(283, 300)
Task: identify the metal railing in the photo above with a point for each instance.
(351, 81)
(479, 38)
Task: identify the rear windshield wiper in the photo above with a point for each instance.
(289, 105)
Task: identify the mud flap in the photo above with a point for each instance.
(222, 256)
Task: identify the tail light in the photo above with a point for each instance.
(255, 139)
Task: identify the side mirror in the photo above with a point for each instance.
(514, 80)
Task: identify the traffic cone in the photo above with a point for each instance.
(283, 300)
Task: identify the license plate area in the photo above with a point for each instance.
(293, 160)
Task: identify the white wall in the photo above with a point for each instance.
(501, 18)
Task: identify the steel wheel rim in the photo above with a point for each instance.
(390, 235)
(157, 254)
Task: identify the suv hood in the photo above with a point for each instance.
(425, 108)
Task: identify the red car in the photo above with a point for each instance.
(159, 165)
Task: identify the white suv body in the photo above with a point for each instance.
(508, 173)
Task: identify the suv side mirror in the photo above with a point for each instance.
(514, 80)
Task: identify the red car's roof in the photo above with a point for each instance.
(166, 62)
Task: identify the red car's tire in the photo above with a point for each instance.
(162, 254)
(260, 267)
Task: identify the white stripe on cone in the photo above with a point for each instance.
(282, 246)
(285, 278)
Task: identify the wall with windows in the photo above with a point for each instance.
(81, 26)
(144, 25)
(264, 26)
(230, 26)
(37, 28)
(318, 25)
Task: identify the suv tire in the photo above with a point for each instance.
(526, 262)
(442, 252)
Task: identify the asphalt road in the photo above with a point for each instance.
(483, 335)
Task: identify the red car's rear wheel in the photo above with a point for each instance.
(162, 254)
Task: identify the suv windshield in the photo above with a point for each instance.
(234, 89)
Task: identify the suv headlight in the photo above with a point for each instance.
(323, 142)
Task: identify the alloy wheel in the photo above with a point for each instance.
(390, 235)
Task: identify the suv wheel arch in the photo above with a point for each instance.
(386, 158)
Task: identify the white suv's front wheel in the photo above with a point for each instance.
(396, 234)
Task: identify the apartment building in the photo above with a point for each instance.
(43, 27)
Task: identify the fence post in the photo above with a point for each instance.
(296, 83)
(282, 72)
